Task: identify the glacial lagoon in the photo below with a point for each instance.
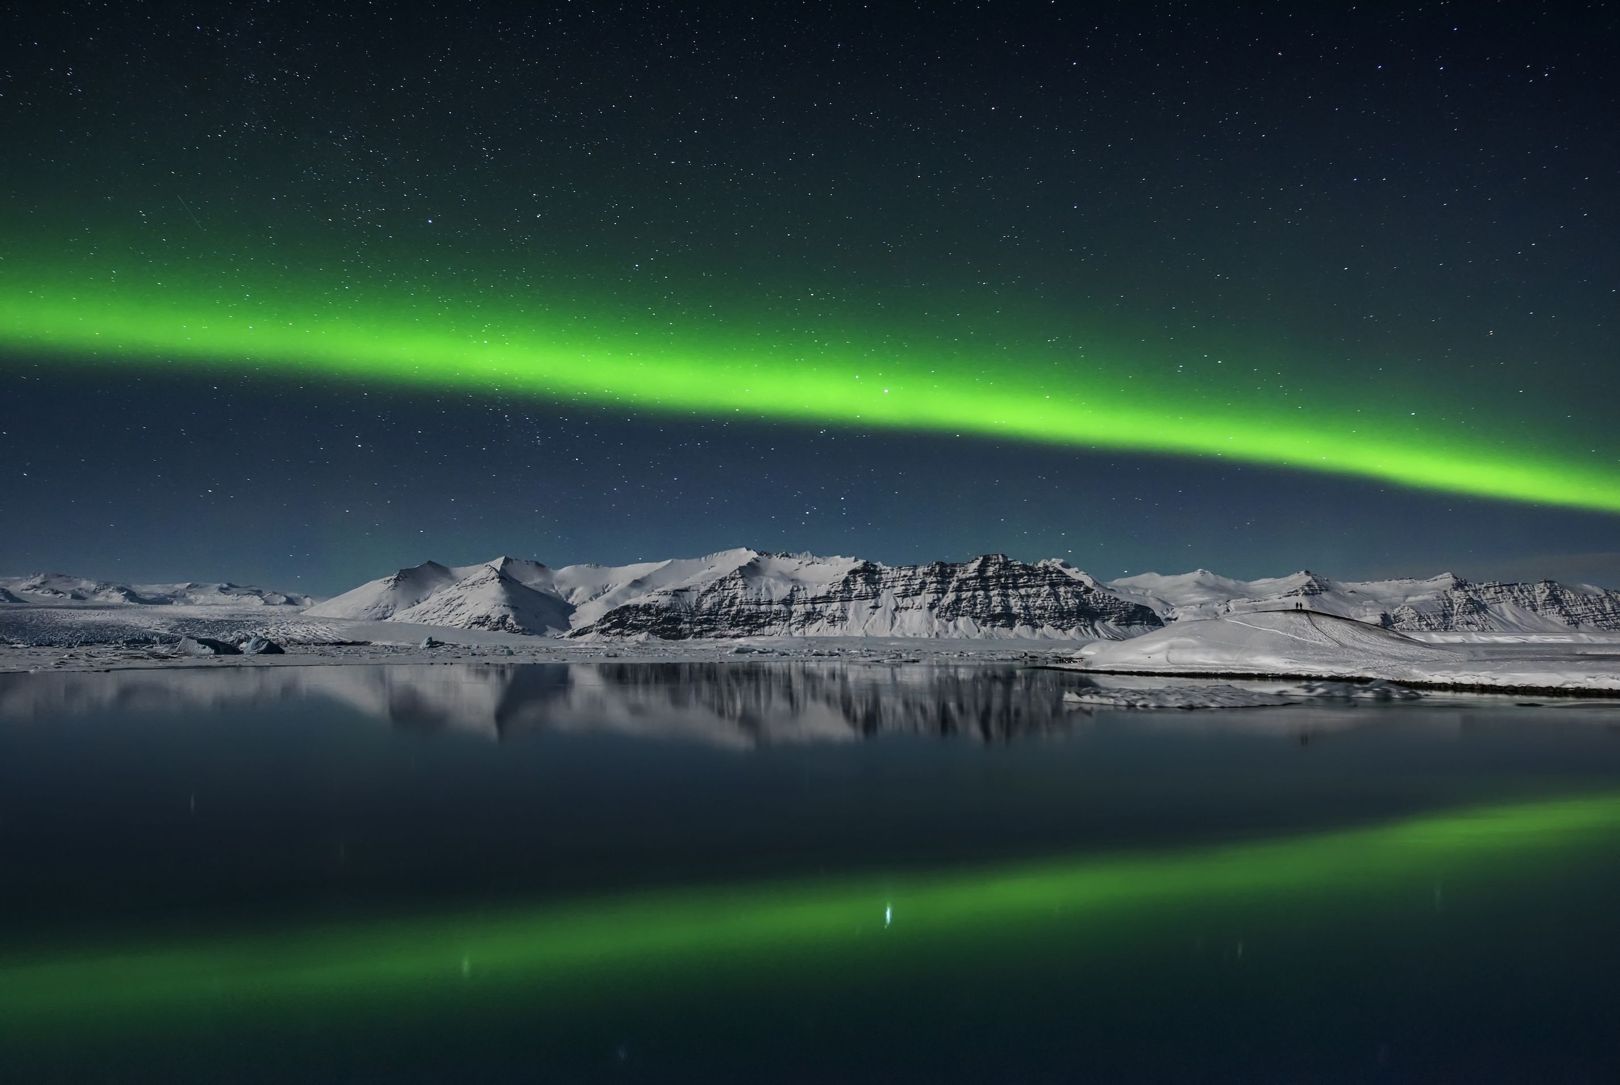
(793, 871)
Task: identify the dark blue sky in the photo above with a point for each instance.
(303, 487)
(1415, 206)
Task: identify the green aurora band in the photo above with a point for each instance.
(583, 948)
(617, 357)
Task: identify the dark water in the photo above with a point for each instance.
(779, 871)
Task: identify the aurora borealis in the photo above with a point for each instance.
(853, 385)
(1134, 286)
(727, 321)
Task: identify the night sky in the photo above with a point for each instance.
(295, 294)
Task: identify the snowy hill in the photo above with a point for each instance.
(1293, 642)
(59, 589)
(380, 600)
(494, 596)
(507, 594)
(736, 593)
(1444, 603)
(1203, 594)
(1308, 644)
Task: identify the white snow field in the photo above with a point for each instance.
(1443, 603)
(1305, 644)
(1540, 636)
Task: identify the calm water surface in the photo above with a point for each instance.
(776, 871)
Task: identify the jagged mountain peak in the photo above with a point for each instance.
(506, 561)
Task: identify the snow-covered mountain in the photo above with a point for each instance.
(508, 594)
(745, 593)
(1444, 603)
(62, 588)
(780, 595)
(740, 593)
(749, 593)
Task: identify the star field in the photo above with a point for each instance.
(338, 289)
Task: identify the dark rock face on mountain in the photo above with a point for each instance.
(1489, 606)
(989, 595)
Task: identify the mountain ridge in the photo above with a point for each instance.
(65, 588)
(744, 592)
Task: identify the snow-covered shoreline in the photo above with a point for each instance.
(751, 593)
(1304, 645)
(1513, 665)
(1292, 644)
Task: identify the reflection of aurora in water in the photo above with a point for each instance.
(601, 946)
(296, 328)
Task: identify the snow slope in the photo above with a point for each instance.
(1301, 643)
(493, 596)
(381, 599)
(58, 589)
(1203, 594)
(1289, 642)
(1444, 603)
(508, 594)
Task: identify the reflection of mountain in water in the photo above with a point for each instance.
(729, 704)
